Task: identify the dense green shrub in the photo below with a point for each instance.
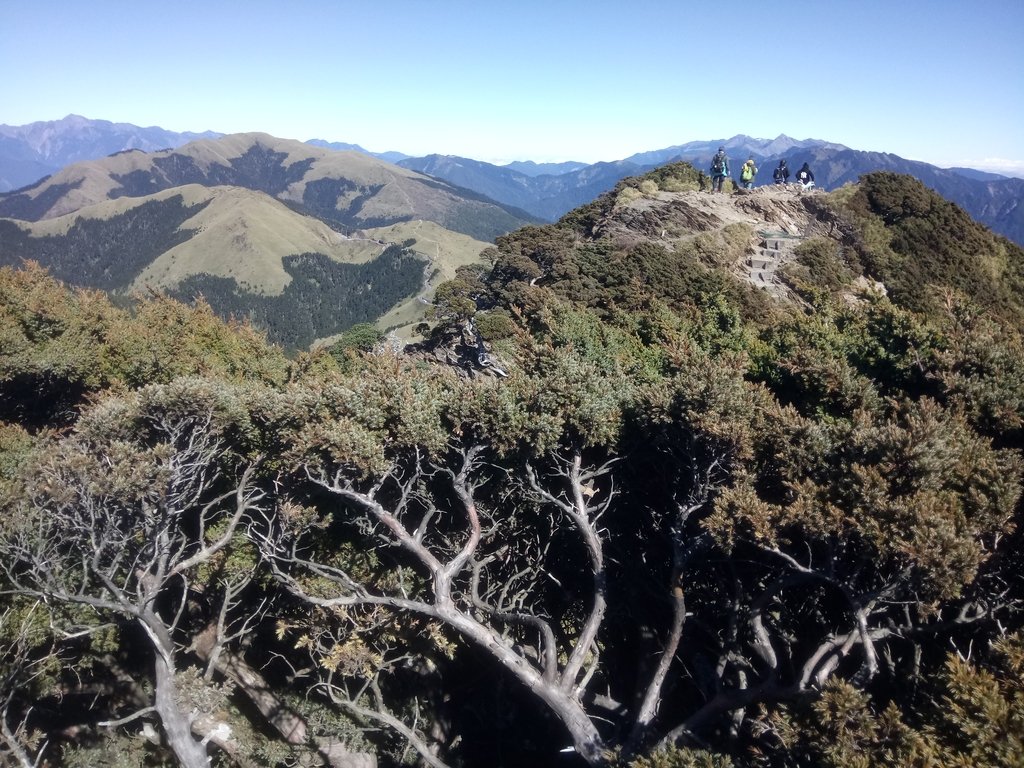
(823, 266)
(921, 245)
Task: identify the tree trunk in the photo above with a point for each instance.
(652, 696)
(286, 722)
(177, 724)
(585, 737)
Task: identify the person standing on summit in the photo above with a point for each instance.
(805, 176)
(748, 172)
(781, 174)
(719, 169)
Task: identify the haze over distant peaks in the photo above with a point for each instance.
(28, 152)
(341, 146)
(737, 145)
(531, 168)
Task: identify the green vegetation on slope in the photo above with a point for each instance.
(921, 245)
(688, 528)
(59, 346)
(323, 297)
(259, 168)
(103, 253)
(27, 208)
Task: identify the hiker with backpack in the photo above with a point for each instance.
(748, 172)
(781, 174)
(719, 169)
(805, 177)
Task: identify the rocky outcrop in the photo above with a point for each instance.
(462, 348)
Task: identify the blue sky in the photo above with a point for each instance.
(589, 80)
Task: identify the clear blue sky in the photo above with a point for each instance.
(934, 80)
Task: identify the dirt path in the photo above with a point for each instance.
(767, 208)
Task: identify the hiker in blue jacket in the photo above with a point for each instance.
(719, 169)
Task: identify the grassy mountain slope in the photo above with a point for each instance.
(389, 156)
(249, 255)
(322, 297)
(444, 252)
(234, 232)
(221, 231)
(251, 233)
(241, 218)
(350, 189)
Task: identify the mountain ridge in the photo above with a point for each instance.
(546, 196)
(548, 191)
(349, 188)
(49, 145)
(271, 229)
(993, 200)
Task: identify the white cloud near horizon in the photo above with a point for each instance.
(995, 165)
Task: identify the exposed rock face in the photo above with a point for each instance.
(777, 217)
(463, 349)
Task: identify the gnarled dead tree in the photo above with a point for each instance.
(452, 563)
(118, 522)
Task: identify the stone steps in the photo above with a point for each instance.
(776, 249)
(764, 260)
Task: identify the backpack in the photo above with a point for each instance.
(777, 175)
(803, 175)
(748, 172)
(718, 163)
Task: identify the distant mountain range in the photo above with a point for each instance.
(738, 148)
(340, 146)
(30, 152)
(545, 190)
(531, 168)
(993, 200)
(259, 225)
(350, 189)
(547, 196)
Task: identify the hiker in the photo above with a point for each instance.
(805, 177)
(719, 169)
(781, 174)
(748, 172)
